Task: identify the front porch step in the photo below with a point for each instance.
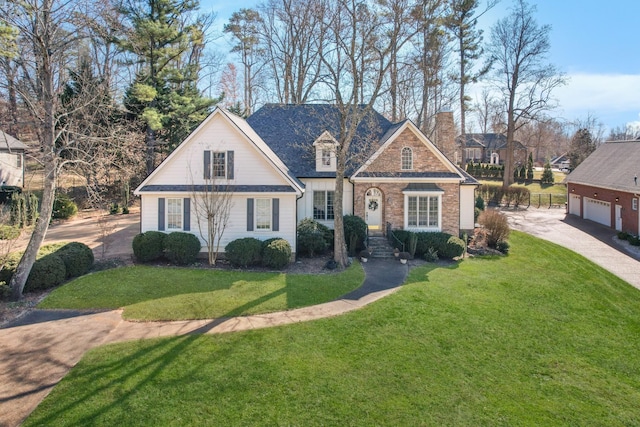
(380, 247)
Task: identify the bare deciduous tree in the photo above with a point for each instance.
(519, 48)
(356, 62)
(211, 203)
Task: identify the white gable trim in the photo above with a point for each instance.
(326, 139)
(422, 137)
(244, 129)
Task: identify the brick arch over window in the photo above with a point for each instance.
(407, 159)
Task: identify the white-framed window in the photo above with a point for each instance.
(407, 158)
(323, 205)
(423, 211)
(219, 164)
(263, 215)
(19, 160)
(174, 214)
(634, 203)
(326, 157)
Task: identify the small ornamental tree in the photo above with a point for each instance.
(530, 168)
(547, 175)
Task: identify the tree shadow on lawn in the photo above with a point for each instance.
(125, 376)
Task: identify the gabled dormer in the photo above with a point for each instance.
(326, 146)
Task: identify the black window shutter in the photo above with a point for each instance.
(229, 164)
(161, 214)
(249, 214)
(186, 211)
(207, 164)
(275, 215)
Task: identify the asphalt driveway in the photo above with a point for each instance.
(591, 240)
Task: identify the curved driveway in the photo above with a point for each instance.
(591, 240)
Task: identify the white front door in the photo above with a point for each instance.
(618, 218)
(373, 209)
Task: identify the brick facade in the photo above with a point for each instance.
(425, 159)
(630, 217)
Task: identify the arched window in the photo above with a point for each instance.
(407, 158)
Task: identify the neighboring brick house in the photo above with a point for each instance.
(11, 161)
(490, 148)
(604, 188)
(280, 164)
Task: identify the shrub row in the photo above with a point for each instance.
(633, 240)
(54, 264)
(441, 245)
(274, 252)
(177, 247)
(479, 170)
(315, 238)
(497, 195)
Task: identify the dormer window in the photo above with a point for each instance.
(326, 157)
(325, 147)
(407, 158)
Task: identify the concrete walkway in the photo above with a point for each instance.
(591, 240)
(40, 348)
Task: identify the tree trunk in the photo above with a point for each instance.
(47, 98)
(340, 255)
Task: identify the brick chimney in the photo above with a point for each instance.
(444, 135)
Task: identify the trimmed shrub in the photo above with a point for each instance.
(276, 254)
(454, 247)
(480, 203)
(503, 247)
(5, 291)
(496, 226)
(77, 258)
(431, 255)
(8, 232)
(181, 248)
(63, 207)
(355, 233)
(148, 246)
(47, 272)
(9, 267)
(311, 237)
(244, 252)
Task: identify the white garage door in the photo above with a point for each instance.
(598, 211)
(574, 204)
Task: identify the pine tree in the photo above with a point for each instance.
(547, 175)
(530, 168)
(165, 43)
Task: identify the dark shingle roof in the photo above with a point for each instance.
(290, 131)
(613, 165)
(220, 188)
(490, 141)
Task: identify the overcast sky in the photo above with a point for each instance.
(594, 42)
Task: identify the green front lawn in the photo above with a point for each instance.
(541, 337)
(155, 293)
(534, 187)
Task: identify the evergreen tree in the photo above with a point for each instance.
(582, 144)
(547, 174)
(165, 42)
(530, 167)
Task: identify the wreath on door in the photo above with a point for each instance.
(373, 205)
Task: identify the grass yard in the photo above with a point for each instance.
(542, 337)
(155, 293)
(534, 187)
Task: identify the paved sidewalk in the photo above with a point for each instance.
(591, 240)
(39, 349)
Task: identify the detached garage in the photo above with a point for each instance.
(605, 189)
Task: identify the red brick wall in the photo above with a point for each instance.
(424, 160)
(393, 204)
(629, 216)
